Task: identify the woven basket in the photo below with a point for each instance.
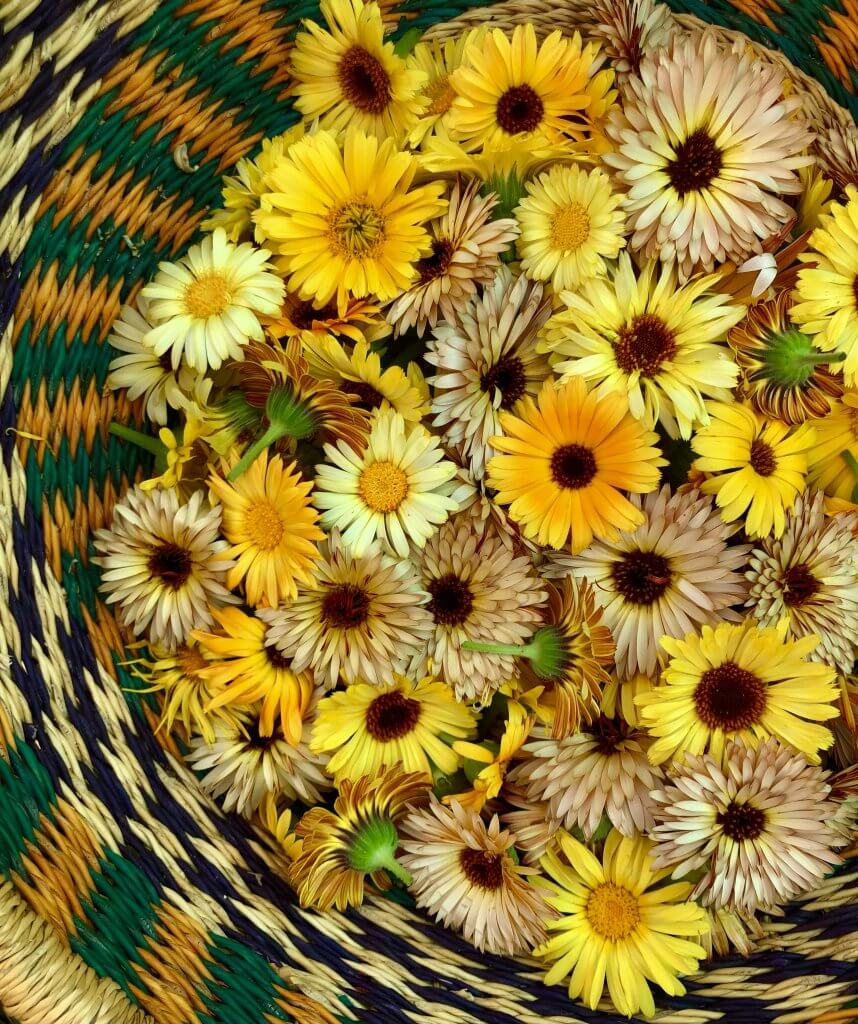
(126, 895)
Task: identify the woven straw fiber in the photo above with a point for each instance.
(126, 895)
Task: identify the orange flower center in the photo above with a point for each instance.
(207, 296)
(442, 94)
(570, 227)
(263, 525)
(383, 486)
(613, 911)
(190, 661)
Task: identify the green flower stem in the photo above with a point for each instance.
(852, 463)
(272, 434)
(392, 865)
(813, 358)
(486, 647)
(144, 441)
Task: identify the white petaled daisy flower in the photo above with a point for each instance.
(464, 875)
(206, 307)
(144, 373)
(243, 766)
(758, 825)
(640, 333)
(809, 575)
(163, 564)
(487, 360)
(570, 223)
(672, 574)
(480, 590)
(362, 617)
(601, 770)
(466, 250)
(707, 146)
(396, 491)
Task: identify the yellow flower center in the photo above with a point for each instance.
(383, 486)
(263, 525)
(207, 296)
(190, 661)
(570, 227)
(442, 94)
(613, 911)
(356, 229)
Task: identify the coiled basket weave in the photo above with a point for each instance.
(126, 895)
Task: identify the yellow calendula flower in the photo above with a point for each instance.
(833, 468)
(187, 454)
(759, 467)
(739, 682)
(347, 218)
(401, 722)
(617, 925)
(438, 59)
(487, 783)
(271, 525)
(348, 75)
(564, 460)
(826, 292)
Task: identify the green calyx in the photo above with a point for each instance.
(509, 189)
(852, 463)
(374, 849)
(791, 359)
(288, 416)
(546, 651)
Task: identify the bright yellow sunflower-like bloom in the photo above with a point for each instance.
(271, 525)
(758, 466)
(347, 218)
(401, 722)
(617, 924)
(513, 91)
(642, 334)
(438, 59)
(564, 462)
(827, 291)
(739, 682)
(348, 75)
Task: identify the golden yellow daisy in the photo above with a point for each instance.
(438, 59)
(570, 223)
(400, 722)
(241, 191)
(832, 464)
(564, 462)
(706, 146)
(360, 373)
(397, 491)
(271, 525)
(488, 781)
(347, 75)
(826, 293)
(511, 90)
(245, 668)
(758, 467)
(739, 681)
(355, 320)
(814, 200)
(188, 454)
(640, 333)
(206, 307)
(347, 217)
(617, 924)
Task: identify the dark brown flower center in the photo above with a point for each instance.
(367, 394)
(391, 716)
(696, 163)
(438, 263)
(519, 110)
(305, 314)
(573, 466)
(256, 741)
(855, 290)
(742, 821)
(508, 377)
(762, 458)
(165, 361)
(452, 600)
(364, 81)
(642, 576)
(608, 733)
(799, 585)
(643, 345)
(275, 659)
(482, 869)
(171, 564)
(730, 698)
(345, 606)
